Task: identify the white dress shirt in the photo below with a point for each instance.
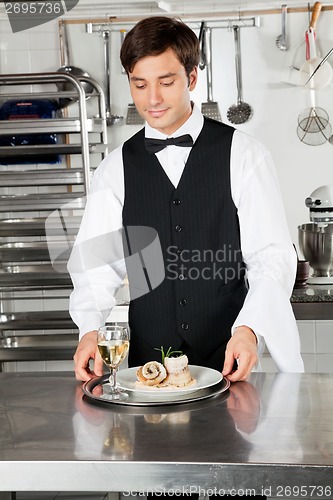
(265, 241)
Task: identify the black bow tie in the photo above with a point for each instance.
(156, 145)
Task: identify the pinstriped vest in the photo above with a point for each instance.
(197, 224)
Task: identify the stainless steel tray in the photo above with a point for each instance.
(93, 390)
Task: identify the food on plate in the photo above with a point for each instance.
(178, 371)
(172, 373)
(152, 373)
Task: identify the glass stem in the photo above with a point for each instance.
(113, 378)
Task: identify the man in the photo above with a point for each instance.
(214, 202)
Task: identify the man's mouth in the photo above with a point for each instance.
(157, 113)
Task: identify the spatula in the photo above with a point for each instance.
(132, 116)
(211, 107)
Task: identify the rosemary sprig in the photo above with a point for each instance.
(170, 353)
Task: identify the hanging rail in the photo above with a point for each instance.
(242, 22)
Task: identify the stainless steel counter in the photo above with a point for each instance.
(273, 434)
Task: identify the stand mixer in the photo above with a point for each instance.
(316, 238)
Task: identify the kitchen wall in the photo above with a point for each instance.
(276, 104)
(267, 87)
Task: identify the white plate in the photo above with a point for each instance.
(205, 377)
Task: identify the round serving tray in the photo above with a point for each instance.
(94, 389)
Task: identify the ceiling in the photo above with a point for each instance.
(137, 7)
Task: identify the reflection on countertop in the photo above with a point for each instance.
(313, 293)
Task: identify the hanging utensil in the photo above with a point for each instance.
(110, 118)
(315, 138)
(320, 70)
(324, 74)
(281, 41)
(313, 119)
(68, 68)
(202, 59)
(132, 117)
(328, 55)
(314, 128)
(210, 108)
(240, 112)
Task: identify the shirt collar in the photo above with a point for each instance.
(192, 126)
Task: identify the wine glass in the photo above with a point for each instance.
(113, 345)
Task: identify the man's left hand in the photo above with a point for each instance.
(243, 347)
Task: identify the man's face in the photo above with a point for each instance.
(161, 89)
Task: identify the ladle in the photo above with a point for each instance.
(68, 68)
(240, 112)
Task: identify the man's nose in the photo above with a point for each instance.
(155, 95)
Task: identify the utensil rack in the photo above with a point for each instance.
(29, 193)
(228, 23)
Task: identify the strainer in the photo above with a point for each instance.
(240, 112)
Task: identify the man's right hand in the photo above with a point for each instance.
(86, 350)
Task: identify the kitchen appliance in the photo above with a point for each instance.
(316, 238)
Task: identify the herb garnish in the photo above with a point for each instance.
(170, 353)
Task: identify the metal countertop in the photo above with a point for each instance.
(273, 434)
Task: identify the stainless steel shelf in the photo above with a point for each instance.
(37, 347)
(39, 275)
(30, 252)
(36, 227)
(55, 95)
(49, 126)
(50, 149)
(51, 177)
(26, 271)
(41, 320)
(36, 202)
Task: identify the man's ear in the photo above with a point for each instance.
(193, 78)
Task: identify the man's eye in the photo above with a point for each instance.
(167, 84)
(139, 86)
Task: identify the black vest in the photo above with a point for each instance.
(197, 224)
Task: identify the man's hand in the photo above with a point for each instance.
(243, 347)
(87, 350)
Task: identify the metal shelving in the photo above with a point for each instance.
(29, 194)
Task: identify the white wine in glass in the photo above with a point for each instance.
(113, 346)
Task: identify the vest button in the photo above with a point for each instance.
(185, 326)
(181, 277)
(176, 202)
(183, 302)
(178, 228)
(179, 251)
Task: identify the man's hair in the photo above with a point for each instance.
(154, 35)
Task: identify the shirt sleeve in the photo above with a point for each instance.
(96, 265)
(268, 253)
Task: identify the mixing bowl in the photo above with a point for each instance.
(316, 244)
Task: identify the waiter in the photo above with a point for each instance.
(210, 194)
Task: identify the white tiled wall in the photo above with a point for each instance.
(316, 347)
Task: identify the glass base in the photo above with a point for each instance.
(114, 394)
